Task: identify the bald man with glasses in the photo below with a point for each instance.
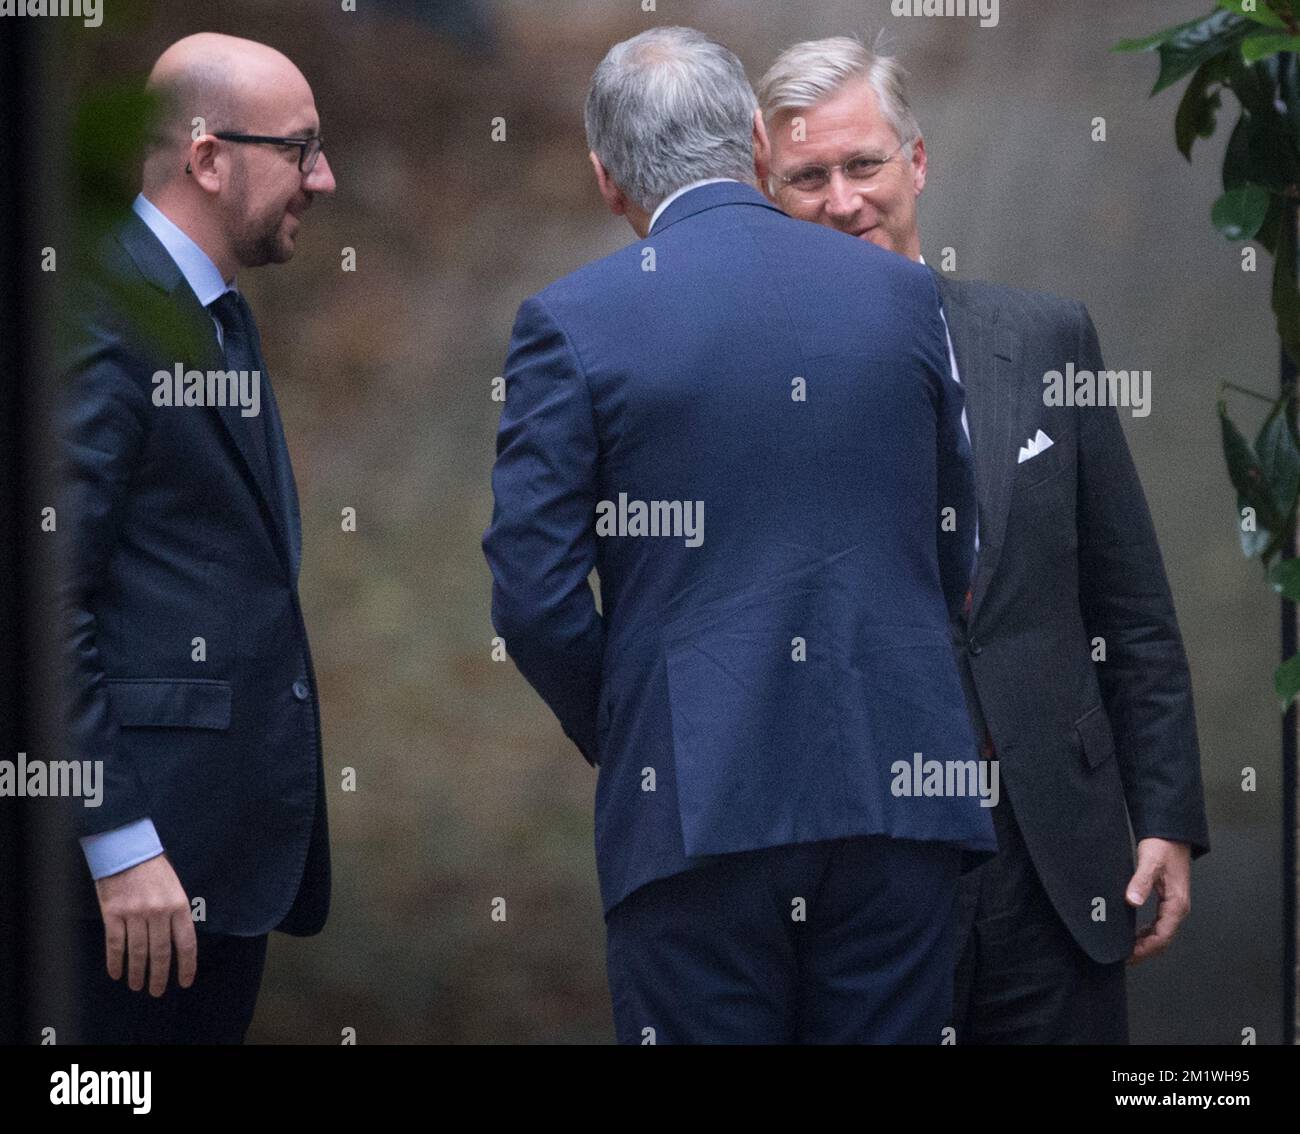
(190, 670)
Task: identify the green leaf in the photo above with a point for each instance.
(1263, 146)
(1197, 110)
(1154, 40)
(1268, 231)
(1285, 578)
(1286, 299)
(1263, 43)
(1240, 213)
(1252, 488)
(1194, 44)
(1289, 92)
(1236, 158)
(1243, 467)
(1270, 156)
(1286, 681)
(1261, 15)
(1252, 83)
(1279, 459)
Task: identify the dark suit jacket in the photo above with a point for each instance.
(174, 528)
(822, 523)
(1068, 554)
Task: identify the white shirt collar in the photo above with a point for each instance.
(195, 265)
(684, 189)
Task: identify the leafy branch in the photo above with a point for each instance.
(1249, 48)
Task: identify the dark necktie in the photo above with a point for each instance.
(243, 351)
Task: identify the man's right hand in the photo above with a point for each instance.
(145, 909)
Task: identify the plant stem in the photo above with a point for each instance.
(1252, 393)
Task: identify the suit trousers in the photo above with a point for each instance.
(216, 1009)
(841, 941)
(1021, 977)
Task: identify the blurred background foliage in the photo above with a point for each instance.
(1248, 49)
(467, 789)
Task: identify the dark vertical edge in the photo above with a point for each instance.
(1287, 378)
(17, 99)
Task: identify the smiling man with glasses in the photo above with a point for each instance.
(1088, 738)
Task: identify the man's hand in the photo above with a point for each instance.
(1167, 867)
(145, 909)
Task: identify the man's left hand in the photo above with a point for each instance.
(1165, 867)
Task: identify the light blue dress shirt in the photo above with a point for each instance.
(111, 852)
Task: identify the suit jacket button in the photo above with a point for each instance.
(301, 691)
(975, 648)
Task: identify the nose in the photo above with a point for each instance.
(321, 178)
(841, 197)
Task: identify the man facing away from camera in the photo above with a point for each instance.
(190, 668)
(1069, 648)
(747, 426)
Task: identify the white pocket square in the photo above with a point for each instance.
(1039, 443)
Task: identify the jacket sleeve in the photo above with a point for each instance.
(1125, 600)
(541, 545)
(102, 422)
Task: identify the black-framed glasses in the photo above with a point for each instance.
(860, 168)
(309, 149)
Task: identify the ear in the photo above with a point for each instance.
(762, 151)
(612, 194)
(202, 164)
(920, 165)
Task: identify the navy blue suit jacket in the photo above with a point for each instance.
(173, 528)
(754, 690)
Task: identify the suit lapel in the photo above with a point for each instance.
(986, 352)
(239, 427)
(199, 344)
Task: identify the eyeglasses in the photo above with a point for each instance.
(309, 149)
(815, 178)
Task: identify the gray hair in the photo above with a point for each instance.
(808, 72)
(668, 107)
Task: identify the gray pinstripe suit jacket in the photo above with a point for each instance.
(1068, 554)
